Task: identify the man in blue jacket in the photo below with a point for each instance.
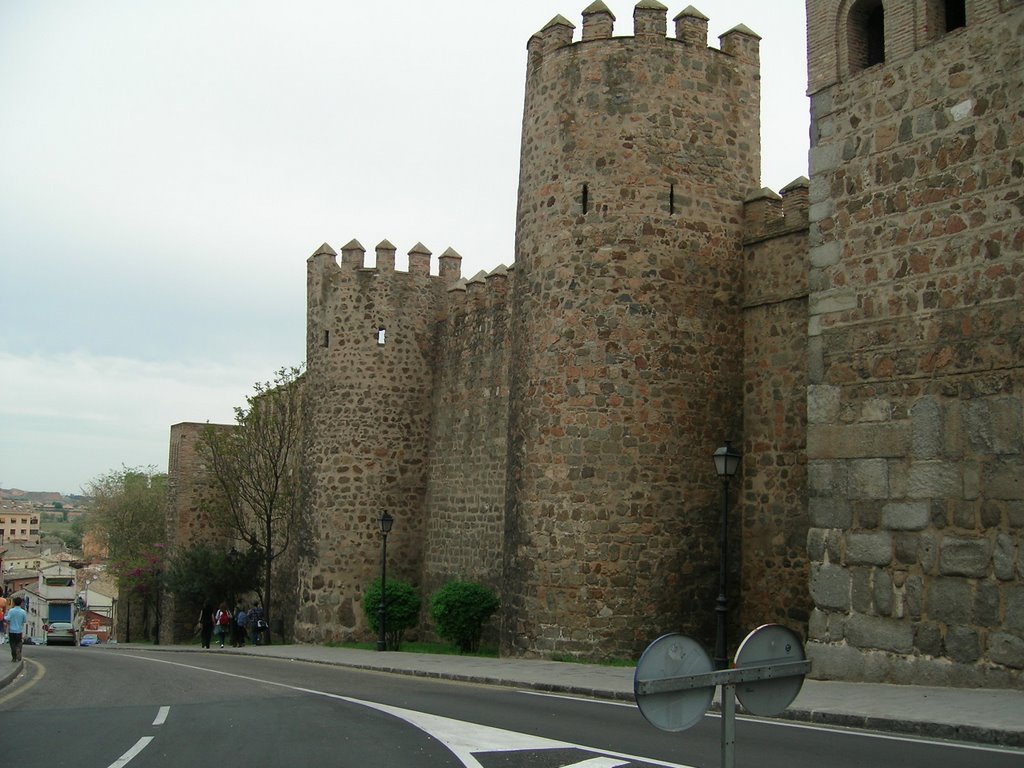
(16, 618)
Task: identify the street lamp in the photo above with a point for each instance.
(727, 461)
(385, 521)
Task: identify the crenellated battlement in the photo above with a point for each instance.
(353, 257)
(767, 214)
(483, 291)
(650, 25)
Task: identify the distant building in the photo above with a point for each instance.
(19, 526)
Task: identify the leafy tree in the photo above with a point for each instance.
(401, 610)
(128, 517)
(254, 467)
(459, 610)
(73, 538)
(204, 573)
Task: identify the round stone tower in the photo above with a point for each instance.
(637, 154)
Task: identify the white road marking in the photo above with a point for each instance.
(124, 759)
(161, 716)
(597, 762)
(460, 737)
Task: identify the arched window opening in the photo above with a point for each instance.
(585, 199)
(865, 34)
(956, 14)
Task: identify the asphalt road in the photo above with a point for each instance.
(139, 709)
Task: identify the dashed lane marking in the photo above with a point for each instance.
(126, 758)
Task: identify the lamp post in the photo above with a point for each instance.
(385, 521)
(727, 461)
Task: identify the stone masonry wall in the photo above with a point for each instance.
(916, 359)
(371, 341)
(190, 489)
(637, 154)
(772, 553)
(468, 455)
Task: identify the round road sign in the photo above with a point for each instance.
(767, 645)
(672, 656)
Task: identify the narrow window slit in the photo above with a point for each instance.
(380, 337)
(327, 338)
(585, 199)
(956, 14)
(671, 199)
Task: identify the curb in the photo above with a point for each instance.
(9, 678)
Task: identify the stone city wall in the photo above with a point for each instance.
(915, 445)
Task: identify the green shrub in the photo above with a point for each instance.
(401, 610)
(459, 610)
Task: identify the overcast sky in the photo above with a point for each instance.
(167, 168)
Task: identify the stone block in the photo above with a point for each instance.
(824, 158)
(869, 479)
(869, 548)
(829, 512)
(926, 429)
(822, 403)
(906, 516)
(1004, 557)
(1013, 598)
(965, 557)
(829, 478)
(986, 604)
(826, 255)
(912, 597)
(818, 626)
(934, 480)
(1006, 649)
(1004, 479)
(993, 425)
(883, 594)
(928, 551)
(880, 633)
(928, 638)
(861, 595)
(950, 601)
(962, 645)
(830, 587)
(833, 661)
(855, 441)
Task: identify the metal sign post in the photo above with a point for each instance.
(674, 682)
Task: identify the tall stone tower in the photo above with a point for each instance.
(637, 155)
(370, 338)
(915, 447)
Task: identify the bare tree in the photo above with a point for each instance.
(255, 469)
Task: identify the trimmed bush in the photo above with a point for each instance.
(459, 610)
(401, 610)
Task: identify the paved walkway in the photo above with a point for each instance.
(963, 714)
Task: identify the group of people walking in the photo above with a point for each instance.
(237, 626)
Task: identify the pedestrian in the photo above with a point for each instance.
(222, 623)
(16, 618)
(256, 623)
(241, 621)
(206, 624)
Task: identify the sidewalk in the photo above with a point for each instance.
(962, 714)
